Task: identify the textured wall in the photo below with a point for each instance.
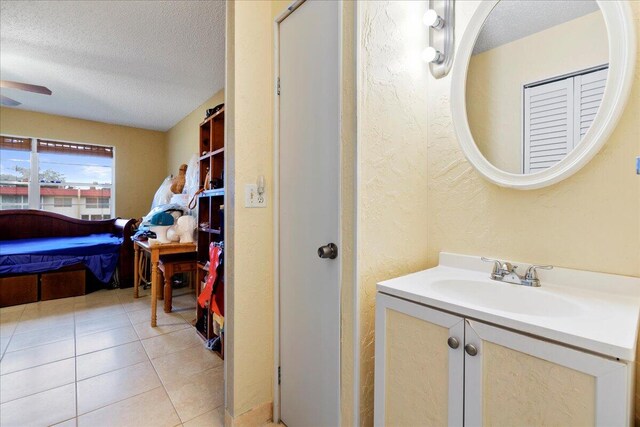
(183, 138)
(590, 221)
(251, 154)
(392, 160)
(140, 154)
(417, 194)
(496, 76)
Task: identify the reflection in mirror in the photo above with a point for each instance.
(535, 81)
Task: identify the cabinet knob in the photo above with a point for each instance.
(453, 342)
(471, 349)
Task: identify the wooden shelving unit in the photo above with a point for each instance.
(210, 201)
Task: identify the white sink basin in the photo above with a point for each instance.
(507, 297)
(595, 311)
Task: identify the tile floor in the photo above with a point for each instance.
(95, 361)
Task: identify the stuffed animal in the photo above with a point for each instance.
(177, 183)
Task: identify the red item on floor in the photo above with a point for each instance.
(213, 281)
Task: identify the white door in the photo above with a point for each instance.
(309, 215)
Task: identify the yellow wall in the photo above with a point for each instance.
(249, 239)
(392, 161)
(183, 137)
(249, 153)
(140, 154)
(496, 77)
(418, 195)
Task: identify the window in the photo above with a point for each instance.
(15, 170)
(97, 202)
(13, 202)
(557, 114)
(62, 202)
(71, 179)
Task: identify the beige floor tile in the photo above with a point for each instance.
(40, 337)
(102, 390)
(8, 325)
(136, 304)
(4, 343)
(34, 380)
(164, 326)
(105, 339)
(45, 322)
(152, 408)
(184, 363)
(189, 315)
(10, 317)
(98, 313)
(12, 309)
(110, 359)
(183, 302)
(171, 342)
(48, 308)
(41, 409)
(36, 356)
(194, 395)
(73, 422)
(144, 315)
(104, 324)
(213, 418)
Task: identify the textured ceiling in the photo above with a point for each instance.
(137, 63)
(513, 19)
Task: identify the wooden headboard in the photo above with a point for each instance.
(29, 223)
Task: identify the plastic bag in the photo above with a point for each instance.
(163, 195)
(192, 184)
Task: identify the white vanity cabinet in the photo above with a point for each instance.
(434, 368)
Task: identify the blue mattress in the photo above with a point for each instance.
(98, 252)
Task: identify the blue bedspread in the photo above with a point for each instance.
(98, 252)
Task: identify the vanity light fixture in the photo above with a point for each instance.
(439, 18)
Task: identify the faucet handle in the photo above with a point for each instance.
(532, 272)
(507, 267)
(497, 266)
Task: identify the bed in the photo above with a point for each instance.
(44, 255)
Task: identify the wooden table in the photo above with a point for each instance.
(155, 251)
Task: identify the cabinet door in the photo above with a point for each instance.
(418, 376)
(515, 379)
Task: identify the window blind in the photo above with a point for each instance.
(13, 143)
(73, 148)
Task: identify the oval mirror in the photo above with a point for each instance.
(539, 85)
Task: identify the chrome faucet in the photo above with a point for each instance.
(504, 271)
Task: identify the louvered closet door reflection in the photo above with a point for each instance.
(588, 92)
(548, 124)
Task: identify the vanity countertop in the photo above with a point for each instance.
(593, 311)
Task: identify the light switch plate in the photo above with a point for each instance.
(251, 197)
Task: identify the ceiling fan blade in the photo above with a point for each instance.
(6, 101)
(25, 86)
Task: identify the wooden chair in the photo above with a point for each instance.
(174, 264)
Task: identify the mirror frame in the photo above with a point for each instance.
(618, 18)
